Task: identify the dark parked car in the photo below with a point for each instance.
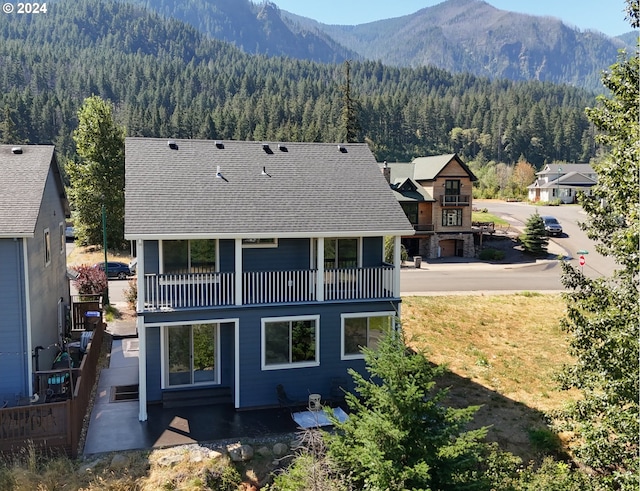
(115, 270)
(552, 226)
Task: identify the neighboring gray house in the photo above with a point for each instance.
(258, 264)
(34, 290)
(563, 181)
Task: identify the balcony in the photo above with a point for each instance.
(423, 227)
(166, 292)
(455, 200)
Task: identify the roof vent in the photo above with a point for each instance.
(282, 147)
(265, 147)
(16, 150)
(342, 149)
(172, 145)
(219, 145)
(220, 176)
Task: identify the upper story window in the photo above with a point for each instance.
(63, 238)
(452, 187)
(189, 256)
(451, 217)
(268, 242)
(410, 209)
(47, 247)
(341, 253)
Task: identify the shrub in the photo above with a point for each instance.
(90, 280)
(131, 293)
(491, 255)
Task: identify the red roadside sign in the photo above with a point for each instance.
(581, 260)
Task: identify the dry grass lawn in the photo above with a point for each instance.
(502, 352)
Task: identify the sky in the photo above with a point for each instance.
(606, 16)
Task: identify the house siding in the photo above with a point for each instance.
(47, 284)
(14, 354)
(291, 254)
(258, 386)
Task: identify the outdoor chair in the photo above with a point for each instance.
(285, 401)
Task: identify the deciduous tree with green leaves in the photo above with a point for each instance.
(97, 179)
(602, 313)
(534, 239)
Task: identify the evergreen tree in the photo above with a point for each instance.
(97, 179)
(399, 434)
(349, 115)
(602, 313)
(534, 239)
(8, 128)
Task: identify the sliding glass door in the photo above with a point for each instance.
(191, 354)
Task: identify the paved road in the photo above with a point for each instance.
(448, 276)
(573, 239)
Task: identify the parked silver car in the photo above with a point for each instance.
(552, 226)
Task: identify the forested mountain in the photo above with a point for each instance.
(475, 37)
(166, 79)
(461, 36)
(256, 28)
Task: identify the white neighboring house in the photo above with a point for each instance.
(562, 181)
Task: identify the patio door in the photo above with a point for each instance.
(192, 354)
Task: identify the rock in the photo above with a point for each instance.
(88, 467)
(239, 452)
(280, 449)
(169, 460)
(119, 461)
(264, 451)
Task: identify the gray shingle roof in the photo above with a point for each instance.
(312, 189)
(22, 180)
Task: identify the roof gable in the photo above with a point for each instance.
(251, 189)
(23, 175)
(430, 168)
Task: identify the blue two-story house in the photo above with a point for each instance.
(34, 289)
(258, 264)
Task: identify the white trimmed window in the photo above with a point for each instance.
(189, 256)
(363, 330)
(268, 242)
(451, 217)
(47, 247)
(290, 342)
(63, 239)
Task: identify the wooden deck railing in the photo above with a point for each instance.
(54, 425)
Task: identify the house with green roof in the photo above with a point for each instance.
(34, 288)
(436, 196)
(259, 264)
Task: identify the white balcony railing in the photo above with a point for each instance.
(358, 283)
(207, 290)
(177, 291)
(278, 286)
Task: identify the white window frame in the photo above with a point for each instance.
(164, 350)
(451, 212)
(290, 319)
(361, 315)
(63, 238)
(161, 254)
(47, 247)
(273, 243)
